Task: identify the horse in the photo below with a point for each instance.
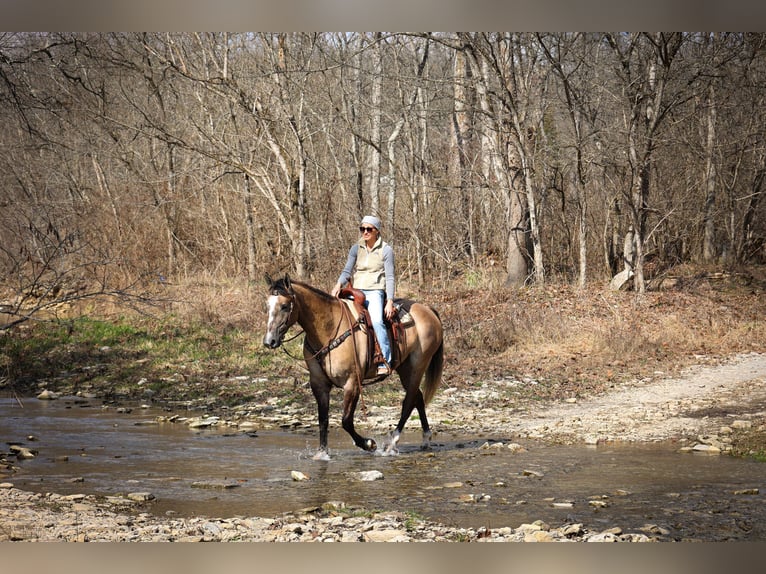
(335, 351)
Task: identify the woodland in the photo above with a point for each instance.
(133, 160)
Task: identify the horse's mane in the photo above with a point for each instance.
(318, 292)
(280, 286)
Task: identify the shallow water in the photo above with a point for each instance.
(456, 483)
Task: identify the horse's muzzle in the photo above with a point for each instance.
(271, 342)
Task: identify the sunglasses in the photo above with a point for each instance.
(366, 229)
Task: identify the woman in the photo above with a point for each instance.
(371, 260)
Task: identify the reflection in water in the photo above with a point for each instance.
(224, 472)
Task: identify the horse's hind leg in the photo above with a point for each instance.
(413, 399)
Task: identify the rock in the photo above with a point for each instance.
(706, 449)
(297, 475)
(140, 496)
(572, 530)
(747, 491)
(73, 497)
(739, 425)
(369, 475)
(534, 473)
(22, 451)
(392, 535)
(47, 395)
(534, 527)
(539, 536)
(621, 280)
(203, 422)
(654, 529)
(214, 485)
(602, 537)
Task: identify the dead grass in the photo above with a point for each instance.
(581, 341)
(573, 341)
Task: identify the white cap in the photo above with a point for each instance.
(372, 220)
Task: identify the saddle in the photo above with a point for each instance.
(395, 327)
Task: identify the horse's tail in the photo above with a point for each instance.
(435, 368)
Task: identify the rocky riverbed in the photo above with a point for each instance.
(702, 410)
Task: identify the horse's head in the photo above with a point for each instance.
(282, 311)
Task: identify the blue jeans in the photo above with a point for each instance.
(375, 300)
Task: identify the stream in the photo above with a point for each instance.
(462, 481)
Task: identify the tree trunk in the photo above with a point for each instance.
(373, 179)
(709, 250)
(461, 134)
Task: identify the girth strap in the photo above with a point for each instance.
(335, 343)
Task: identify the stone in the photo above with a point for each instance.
(47, 395)
(538, 536)
(388, 535)
(620, 281)
(214, 485)
(572, 530)
(22, 451)
(747, 491)
(603, 537)
(706, 449)
(298, 476)
(739, 424)
(140, 496)
(533, 473)
(205, 422)
(369, 475)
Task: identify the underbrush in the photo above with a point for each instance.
(750, 443)
(206, 340)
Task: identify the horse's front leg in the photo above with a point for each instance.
(350, 399)
(321, 392)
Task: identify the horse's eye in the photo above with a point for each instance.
(286, 307)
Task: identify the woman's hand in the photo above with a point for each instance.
(388, 311)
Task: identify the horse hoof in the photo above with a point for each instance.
(370, 445)
(321, 455)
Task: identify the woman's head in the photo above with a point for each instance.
(370, 225)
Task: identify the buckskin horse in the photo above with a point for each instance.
(335, 348)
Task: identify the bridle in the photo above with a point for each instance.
(290, 296)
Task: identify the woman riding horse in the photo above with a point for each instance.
(335, 351)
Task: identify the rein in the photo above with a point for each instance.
(334, 343)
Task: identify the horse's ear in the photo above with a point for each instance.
(268, 279)
(287, 281)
